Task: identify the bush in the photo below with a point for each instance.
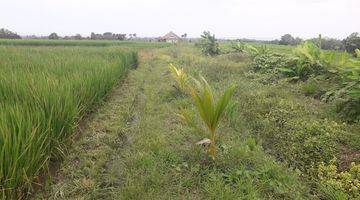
(209, 45)
(348, 182)
(352, 42)
(303, 143)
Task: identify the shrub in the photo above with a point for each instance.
(357, 53)
(352, 42)
(347, 182)
(209, 45)
(303, 143)
(238, 47)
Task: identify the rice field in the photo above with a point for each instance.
(44, 93)
(98, 43)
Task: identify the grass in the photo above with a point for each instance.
(137, 148)
(272, 139)
(44, 92)
(98, 43)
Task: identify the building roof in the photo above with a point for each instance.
(171, 36)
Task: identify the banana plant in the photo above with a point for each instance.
(180, 77)
(210, 109)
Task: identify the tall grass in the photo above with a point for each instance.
(99, 43)
(44, 92)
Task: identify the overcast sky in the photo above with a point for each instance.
(260, 19)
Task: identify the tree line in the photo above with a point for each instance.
(349, 44)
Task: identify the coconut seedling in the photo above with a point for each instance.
(180, 77)
(210, 109)
(357, 53)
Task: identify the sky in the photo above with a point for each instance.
(255, 19)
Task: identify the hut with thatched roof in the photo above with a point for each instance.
(170, 37)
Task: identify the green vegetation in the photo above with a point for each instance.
(44, 93)
(180, 77)
(352, 42)
(99, 43)
(337, 71)
(290, 130)
(141, 150)
(209, 110)
(208, 44)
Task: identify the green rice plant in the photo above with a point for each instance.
(44, 93)
(180, 77)
(98, 43)
(210, 109)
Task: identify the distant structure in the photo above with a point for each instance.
(170, 37)
(107, 36)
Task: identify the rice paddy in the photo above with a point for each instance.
(44, 92)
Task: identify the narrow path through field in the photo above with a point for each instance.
(93, 170)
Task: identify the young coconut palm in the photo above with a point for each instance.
(357, 53)
(180, 77)
(209, 109)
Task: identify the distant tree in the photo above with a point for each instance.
(288, 39)
(184, 35)
(352, 42)
(53, 36)
(328, 43)
(297, 41)
(4, 33)
(77, 37)
(209, 44)
(134, 35)
(93, 36)
(119, 36)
